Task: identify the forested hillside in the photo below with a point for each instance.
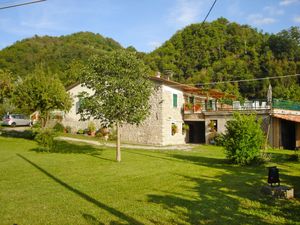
(200, 53)
(62, 56)
(223, 51)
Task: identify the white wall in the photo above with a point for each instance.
(72, 118)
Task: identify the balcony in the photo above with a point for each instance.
(214, 105)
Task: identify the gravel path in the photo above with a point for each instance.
(171, 147)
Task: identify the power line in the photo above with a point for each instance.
(212, 6)
(231, 81)
(21, 4)
(247, 80)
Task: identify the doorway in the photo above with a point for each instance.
(196, 132)
(288, 134)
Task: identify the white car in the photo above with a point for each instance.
(16, 120)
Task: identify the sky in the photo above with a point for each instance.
(143, 24)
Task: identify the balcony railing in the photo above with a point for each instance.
(189, 108)
(283, 104)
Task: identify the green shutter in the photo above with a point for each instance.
(175, 100)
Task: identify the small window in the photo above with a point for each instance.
(191, 99)
(78, 104)
(175, 100)
(213, 125)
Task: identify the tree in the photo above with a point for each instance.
(121, 90)
(243, 139)
(41, 92)
(6, 91)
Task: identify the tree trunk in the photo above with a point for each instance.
(118, 146)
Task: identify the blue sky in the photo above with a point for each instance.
(144, 24)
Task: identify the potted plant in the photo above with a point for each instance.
(188, 106)
(174, 129)
(91, 129)
(185, 128)
(105, 132)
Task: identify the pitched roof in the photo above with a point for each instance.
(191, 89)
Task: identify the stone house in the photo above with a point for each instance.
(175, 106)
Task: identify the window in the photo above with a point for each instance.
(77, 106)
(175, 100)
(213, 125)
(191, 99)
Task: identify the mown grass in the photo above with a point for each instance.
(81, 184)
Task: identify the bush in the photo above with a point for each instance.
(68, 129)
(243, 139)
(80, 131)
(26, 134)
(45, 139)
(219, 139)
(58, 127)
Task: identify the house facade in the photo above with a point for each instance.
(175, 106)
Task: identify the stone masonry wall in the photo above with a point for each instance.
(149, 131)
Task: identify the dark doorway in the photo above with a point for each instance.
(196, 132)
(288, 134)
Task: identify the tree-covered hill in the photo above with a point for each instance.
(224, 51)
(62, 56)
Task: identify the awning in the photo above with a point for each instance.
(294, 118)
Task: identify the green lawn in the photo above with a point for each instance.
(82, 184)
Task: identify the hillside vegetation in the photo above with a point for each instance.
(62, 56)
(200, 53)
(224, 51)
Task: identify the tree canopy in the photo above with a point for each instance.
(41, 92)
(121, 90)
(225, 51)
(60, 55)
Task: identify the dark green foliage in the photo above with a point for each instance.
(62, 55)
(243, 139)
(58, 127)
(45, 139)
(225, 51)
(219, 139)
(41, 92)
(26, 134)
(122, 89)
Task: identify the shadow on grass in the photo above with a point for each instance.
(230, 197)
(65, 147)
(115, 212)
(25, 134)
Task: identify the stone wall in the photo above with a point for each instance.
(149, 131)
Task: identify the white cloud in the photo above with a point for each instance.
(258, 19)
(288, 2)
(273, 11)
(296, 19)
(186, 12)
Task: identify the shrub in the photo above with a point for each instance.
(219, 139)
(243, 139)
(58, 127)
(45, 139)
(68, 129)
(37, 125)
(91, 127)
(80, 131)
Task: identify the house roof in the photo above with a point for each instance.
(184, 87)
(294, 118)
(191, 89)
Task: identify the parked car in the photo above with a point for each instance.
(16, 120)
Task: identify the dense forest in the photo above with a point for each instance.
(218, 51)
(223, 51)
(60, 56)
